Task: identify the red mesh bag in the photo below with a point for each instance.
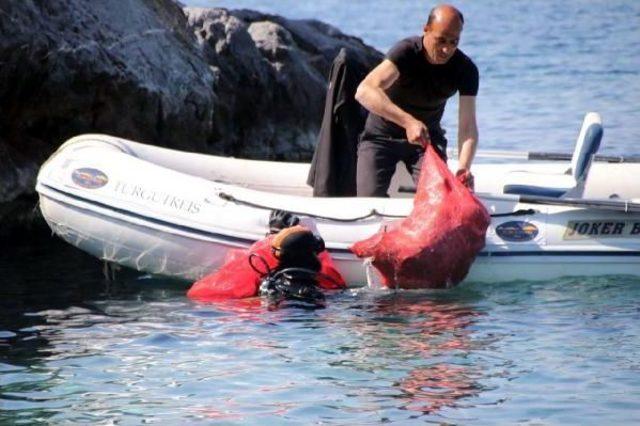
(436, 244)
(236, 279)
(329, 278)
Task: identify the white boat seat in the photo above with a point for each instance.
(570, 183)
(546, 184)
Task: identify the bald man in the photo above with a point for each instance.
(406, 95)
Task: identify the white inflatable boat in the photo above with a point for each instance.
(176, 213)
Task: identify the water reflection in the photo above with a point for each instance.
(435, 337)
(92, 346)
(43, 275)
(406, 351)
(49, 287)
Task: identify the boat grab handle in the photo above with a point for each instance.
(372, 213)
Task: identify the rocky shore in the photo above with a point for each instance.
(231, 82)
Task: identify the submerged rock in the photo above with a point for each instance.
(238, 83)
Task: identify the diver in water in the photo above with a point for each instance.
(289, 265)
(295, 279)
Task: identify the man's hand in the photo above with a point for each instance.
(417, 133)
(465, 177)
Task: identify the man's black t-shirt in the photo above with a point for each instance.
(422, 89)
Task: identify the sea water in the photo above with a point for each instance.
(76, 348)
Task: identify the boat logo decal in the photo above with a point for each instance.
(89, 178)
(603, 228)
(517, 231)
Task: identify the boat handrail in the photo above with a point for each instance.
(371, 213)
(545, 156)
(621, 205)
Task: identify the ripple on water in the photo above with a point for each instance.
(522, 351)
(76, 349)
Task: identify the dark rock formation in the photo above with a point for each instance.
(210, 80)
(74, 66)
(270, 77)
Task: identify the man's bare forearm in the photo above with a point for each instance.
(375, 100)
(467, 131)
(466, 151)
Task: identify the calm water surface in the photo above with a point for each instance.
(76, 349)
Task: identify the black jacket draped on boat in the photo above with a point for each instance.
(333, 168)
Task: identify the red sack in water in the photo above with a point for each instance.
(329, 278)
(436, 244)
(236, 279)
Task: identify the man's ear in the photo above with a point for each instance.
(426, 28)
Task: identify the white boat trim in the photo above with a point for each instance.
(142, 236)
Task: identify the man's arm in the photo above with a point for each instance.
(371, 94)
(467, 132)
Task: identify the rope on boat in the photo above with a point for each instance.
(520, 212)
(372, 213)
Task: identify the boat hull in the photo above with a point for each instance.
(167, 222)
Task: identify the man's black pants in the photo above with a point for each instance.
(377, 160)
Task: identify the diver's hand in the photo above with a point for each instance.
(466, 178)
(280, 219)
(417, 132)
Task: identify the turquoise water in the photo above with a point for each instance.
(77, 349)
